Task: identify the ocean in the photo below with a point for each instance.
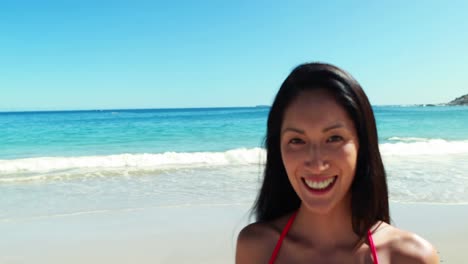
(81, 162)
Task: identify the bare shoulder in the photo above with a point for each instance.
(256, 242)
(407, 247)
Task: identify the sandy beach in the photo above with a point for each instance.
(192, 234)
(445, 226)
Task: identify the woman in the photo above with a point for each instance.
(324, 195)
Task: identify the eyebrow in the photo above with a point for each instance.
(335, 126)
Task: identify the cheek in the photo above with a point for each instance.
(291, 155)
(290, 160)
(349, 156)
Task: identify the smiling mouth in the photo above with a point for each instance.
(320, 186)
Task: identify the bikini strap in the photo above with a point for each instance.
(282, 236)
(372, 247)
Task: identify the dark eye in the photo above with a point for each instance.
(296, 141)
(335, 138)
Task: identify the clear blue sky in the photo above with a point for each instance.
(145, 54)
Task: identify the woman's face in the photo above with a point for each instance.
(319, 147)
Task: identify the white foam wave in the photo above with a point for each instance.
(162, 161)
(62, 168)
(425, 147)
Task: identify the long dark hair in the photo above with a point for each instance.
(369, 195)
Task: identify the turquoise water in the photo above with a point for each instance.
(62, 163)
(448, 123)
(80, 133)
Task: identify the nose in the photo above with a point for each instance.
(316, 161)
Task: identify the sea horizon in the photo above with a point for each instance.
(28, 110)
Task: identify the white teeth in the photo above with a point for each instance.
(319, 184)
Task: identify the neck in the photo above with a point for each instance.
(326, 230)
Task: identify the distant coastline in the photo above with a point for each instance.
(459, 101)
(462, 100)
